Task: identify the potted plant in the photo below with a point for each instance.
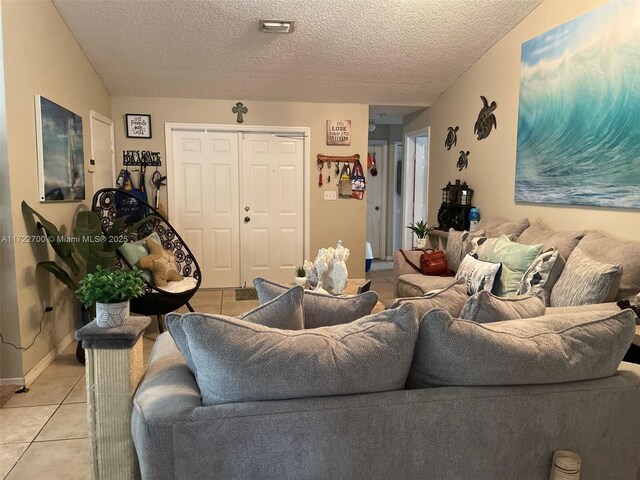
(421, 230)
(301, 277)
(111, 291)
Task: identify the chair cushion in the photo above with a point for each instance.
(134, 251)
(451, 298)
(284, 312)
(240, 361)
(416, 284)
(458, 245)
(478, 274)
(563, 241)
(515, 258)
(483, 307)
(497, 226)
(322, 310)
(584, 281)
(626, 253)
(549, 349)
(535, 279)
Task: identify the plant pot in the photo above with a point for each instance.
(421, 243)
(302, 281)
(112, 314)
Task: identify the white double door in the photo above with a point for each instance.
(238, 203)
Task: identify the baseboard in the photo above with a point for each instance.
(48, 359)
(12, 381)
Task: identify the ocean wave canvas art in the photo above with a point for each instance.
(579, 112)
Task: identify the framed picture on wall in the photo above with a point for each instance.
(138, 125)
(60, 152)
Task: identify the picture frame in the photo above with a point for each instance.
(59, 138)
(138, 125)
(339, 132)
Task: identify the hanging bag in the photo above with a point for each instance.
(344, 184)
(358, 181)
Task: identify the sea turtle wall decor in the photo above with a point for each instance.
(452, 137)
(486, 119)
(463, 160)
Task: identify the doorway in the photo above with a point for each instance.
(103, 160)
(240, 200)
(376, 199)
(415, 181)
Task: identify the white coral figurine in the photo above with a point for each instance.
(328, 272)
(339, 272)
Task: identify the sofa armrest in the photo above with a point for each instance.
(400, 265)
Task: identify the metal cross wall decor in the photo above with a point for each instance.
(239, 109)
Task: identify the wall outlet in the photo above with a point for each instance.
(330, 195)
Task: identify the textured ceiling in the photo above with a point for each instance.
(385, 52)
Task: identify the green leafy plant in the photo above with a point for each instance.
(110, 286)
(420, 228)
(300, 272)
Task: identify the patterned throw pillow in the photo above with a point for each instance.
(536, 277)
(583, 281)
(478, 274)
(515, 259)
(458, 245)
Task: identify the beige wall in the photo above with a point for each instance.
(42, 57)
(491, 170)
(330, 220)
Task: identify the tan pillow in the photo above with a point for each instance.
(483, 307)
(564, 241)
(458, 245)
(162, 264)
(496, 226)
(451, 298)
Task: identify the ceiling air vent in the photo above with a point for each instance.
(276, 26)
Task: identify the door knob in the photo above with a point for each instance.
(247, 219)
(377, 208)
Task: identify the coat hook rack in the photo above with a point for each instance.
(332, 158)
(144, 158)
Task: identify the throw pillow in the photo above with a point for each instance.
(624, 252)
(538, 273)
(549, 349)
(451, 298)
(417, 285)
(162, 264)
(134, 251)
(284, 312)
(563, 241)
(322, 310)
(458, 245)
(583, 281)
(239, 361)
(515, 259)
(483, 307)
(478, 274)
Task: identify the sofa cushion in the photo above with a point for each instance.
(451, 298)
(515, 258)
(240, 361)
(322, 310)
(563, 241)
(458, 245)
(626, 253)
(284, 312)
(478, 274)
(416, 284)
(483, 307)
(594, 307)
(584, 281)
(497, 226)
(549, 349)
(537, 276)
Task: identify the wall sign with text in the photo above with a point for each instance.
(338, 132)
(138, 125)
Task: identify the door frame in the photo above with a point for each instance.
(383, 171)
(304, 132)
(408, 178)
(98, 117)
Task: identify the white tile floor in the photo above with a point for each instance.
(43, 433)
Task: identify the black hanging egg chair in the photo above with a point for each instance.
(141, 221)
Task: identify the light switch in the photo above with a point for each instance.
(330, 195)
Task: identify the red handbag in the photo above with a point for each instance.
(431, 263)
